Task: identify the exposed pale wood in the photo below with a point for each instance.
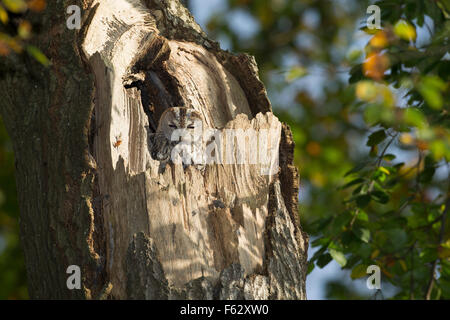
(198, 223)
(229, 231)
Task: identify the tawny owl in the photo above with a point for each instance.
(179, 128)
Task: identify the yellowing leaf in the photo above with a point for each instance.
(366, 91)
(24, 29)
(446, 244)
(3, 15)
(387, 274)
(4, 48)
(405, 30)
(369, 31)
(359, 271)
(375, 254)
(444, 250)
(15, 45)
(313, 148)
(37, 5)
(438, 149)
(388, 96)
(318, 179)
(403, 265)
(379, 40)
(375, 65)
(422, 145)
(38, 55)
(407, 139)
(16, 6)
(384, 170)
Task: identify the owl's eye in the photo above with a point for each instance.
(172, 125)
(190, 127)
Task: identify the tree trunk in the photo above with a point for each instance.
(90, 192)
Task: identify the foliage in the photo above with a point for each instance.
(16, 31)
(12, 267)
(396, 214)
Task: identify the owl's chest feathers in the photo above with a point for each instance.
(177, 133)
(160, 146)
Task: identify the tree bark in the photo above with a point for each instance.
(91, 194)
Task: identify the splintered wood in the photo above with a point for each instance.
(190, 223)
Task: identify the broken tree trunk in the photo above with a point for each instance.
(91, 194)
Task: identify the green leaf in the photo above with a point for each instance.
(379, 175)
(376, 138)
(439, 149)
(319, 225)
(372, 114)
(338, 256)
(296, 73)
(362, 216)
(359, 271)
(432, 97)
(380, 196)
(365, 250)
(445, 7)
(356, 169)
(431, 88)
(353, 182)
(354, 55)
(414, 117)
(363, 234)
(362, 201)
(311, 266)
(426, 176)
(318, 254)
(389, 157)
(397, 238)
(356, 74)
(38, 55)
(324, 260)
(340, 222)
(433, 11)
(428, 255)
(323, 241)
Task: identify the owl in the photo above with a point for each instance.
(180, 130)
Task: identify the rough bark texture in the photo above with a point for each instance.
(91, 194)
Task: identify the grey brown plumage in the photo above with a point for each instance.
(161, 144)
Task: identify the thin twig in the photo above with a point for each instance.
(385, 149)
(372, 183)
(441, 239)
(411, 280)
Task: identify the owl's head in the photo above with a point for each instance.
(179, 118)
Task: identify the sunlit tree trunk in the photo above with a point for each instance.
(92, 196)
